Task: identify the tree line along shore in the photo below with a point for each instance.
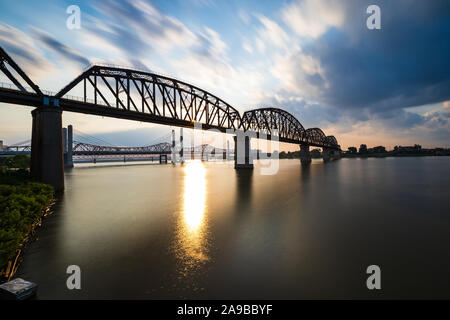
(376, 152)
(23, 204)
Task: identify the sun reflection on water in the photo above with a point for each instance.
(191, 233)
(194, 195)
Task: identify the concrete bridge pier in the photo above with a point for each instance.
(181, 146)
(162, 158)
(242, 152)
(326, 154)
(224, 147)
(336, 154)
(47, 158)
(174, 157)
(67, 146)
(305, 155)
(64, 131)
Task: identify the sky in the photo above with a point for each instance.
(314, 58)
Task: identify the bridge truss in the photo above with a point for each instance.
(148, 97)
(80, 148)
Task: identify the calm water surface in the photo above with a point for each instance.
(203, 230)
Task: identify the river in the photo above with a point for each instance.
(204, 230)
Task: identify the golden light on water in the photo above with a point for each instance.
(191, 234)
(194, 195)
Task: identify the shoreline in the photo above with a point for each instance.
(8, 272)
(24, 204)
(377, 155)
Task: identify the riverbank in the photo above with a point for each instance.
(23, 204)
(296, 155)
(389, 154)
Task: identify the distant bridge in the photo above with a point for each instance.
(148, 97)
(82, 149)
(85, 149)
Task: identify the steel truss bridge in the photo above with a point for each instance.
(148, 97)
(85, 149)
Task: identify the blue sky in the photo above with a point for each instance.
(314, 58)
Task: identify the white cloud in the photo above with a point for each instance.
(24, 51)
(260, 45)
(247, 47)
(446, 104)
(244, 16)
(313, 17)
(299, 73)
(271, 32)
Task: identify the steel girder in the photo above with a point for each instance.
(316, 135)
(267, 120)
(332, 140)
(5, 60)
(158, 96)
(18, 148)
(81, 148)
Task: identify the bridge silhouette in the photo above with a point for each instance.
(148, 97)
(84, 150)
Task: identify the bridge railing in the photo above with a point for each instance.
(12, 86)
(88, 100)
(153, 71)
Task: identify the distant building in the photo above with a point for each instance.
(362, 149)
(379, 149)
(408, 149)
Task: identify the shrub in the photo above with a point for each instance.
(22, 203)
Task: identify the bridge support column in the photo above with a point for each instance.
(305, 155)
(224, 147)
(47, 158)
(181, 146)
(69, 163)
(67, 146)
(336, 154)
(242, 156)
(174, 157)
(162, 158)
(64, 131)
(326, 154)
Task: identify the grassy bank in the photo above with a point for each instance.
(22, 205)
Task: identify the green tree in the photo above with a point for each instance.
(363, 149)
